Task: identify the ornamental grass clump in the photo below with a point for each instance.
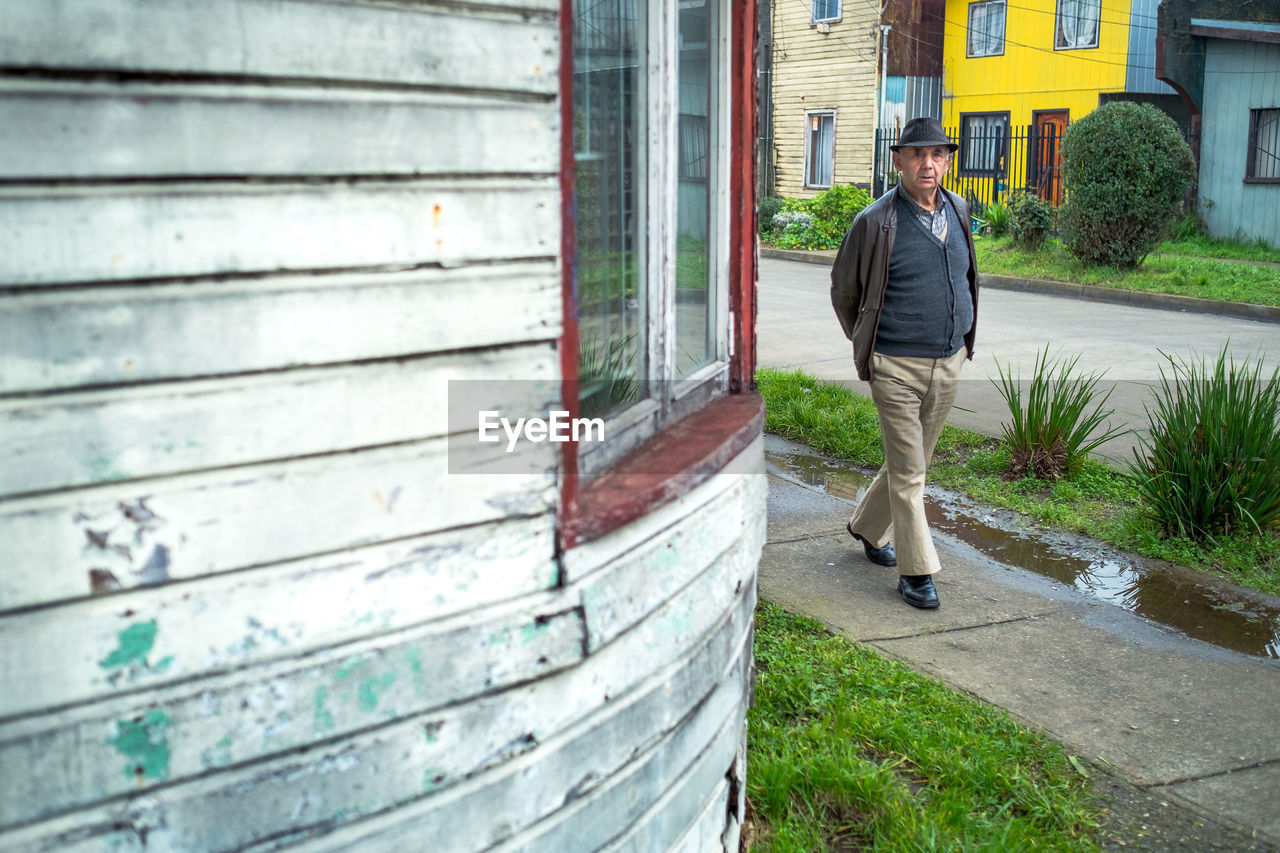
(1049, 433)
(1212, 461)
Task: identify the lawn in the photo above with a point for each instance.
(1196, 267)
(850, 751)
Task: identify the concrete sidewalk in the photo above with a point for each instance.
(1189, 721)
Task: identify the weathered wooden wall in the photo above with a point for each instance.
(243, 605)
(1239, 76)
(813, 70)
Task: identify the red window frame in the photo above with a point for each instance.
(696, 447)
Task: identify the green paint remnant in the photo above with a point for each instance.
(144, 740)
(134, 644)
(432, 778)
(346, 671)
(322, 719)
(530, 633)
(370, 689)
(218, 755)
(414, 657)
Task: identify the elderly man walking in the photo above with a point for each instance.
(905, 288)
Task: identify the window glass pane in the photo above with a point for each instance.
(986, 28)
(1078, 23)
(826, 10)
(607, 192)
(983, 142)
(1266, 144)
(820, 149)
(694, 340)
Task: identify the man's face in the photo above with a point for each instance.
(922, 168)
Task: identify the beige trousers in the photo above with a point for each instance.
(913, 397)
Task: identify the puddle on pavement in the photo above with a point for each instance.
(1178, 602)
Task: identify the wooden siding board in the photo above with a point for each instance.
(95, 234)
(180, 631)
(71, 545)
(390, 44)
(642, 579)
(55, 130)
(154, 430)
(387, 683)
(443, 752)
(613, 765)
(238, 721)
(116, 335)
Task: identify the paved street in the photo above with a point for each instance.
(797, 329)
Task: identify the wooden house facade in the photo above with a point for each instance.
(1227, 72)
(824, 92)
(266, 265)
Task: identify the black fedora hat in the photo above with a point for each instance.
(923, 132)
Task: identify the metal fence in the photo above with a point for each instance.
(991, 163)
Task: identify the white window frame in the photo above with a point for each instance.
(658, 226)
(813, 12)
(810, 116)
(985, 6)
(1059, 22)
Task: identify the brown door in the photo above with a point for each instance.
(1049, 125)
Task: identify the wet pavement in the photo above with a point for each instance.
(1217, 613)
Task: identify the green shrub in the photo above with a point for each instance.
(996, 219)
(819, 222)
(1212, 462)
(1030, 220)
(769, 207)
(1126, 168)
(1049, 436)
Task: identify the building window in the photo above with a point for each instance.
(986, 28)
(983, 143)
(825, 10)
(649, 226)
(819, 148)
(1077, 24)
(1263, 164)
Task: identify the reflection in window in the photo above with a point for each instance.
(826, 10)
(982, 140)
(1077, 24)
(986, 28)
(611, 299)
(694, 341)
(819, 149)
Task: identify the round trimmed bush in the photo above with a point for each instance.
(1126, 168)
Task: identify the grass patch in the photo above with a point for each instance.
(1201, 277)
(1094, 500)
(853, 751)
(1204, 246)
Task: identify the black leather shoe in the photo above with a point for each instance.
(918, 591)
(880, 556)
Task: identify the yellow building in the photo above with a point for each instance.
(1014, 75)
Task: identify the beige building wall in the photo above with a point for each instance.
(817, 70)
